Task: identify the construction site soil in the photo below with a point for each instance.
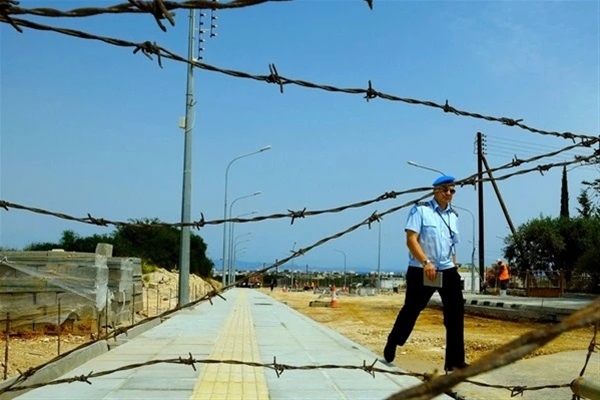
(363, 319)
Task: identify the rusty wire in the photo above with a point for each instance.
(159, 8)
(592, 347)
(293, 215)
(433, 384)
(149, 48)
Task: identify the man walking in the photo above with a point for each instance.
(431, 238)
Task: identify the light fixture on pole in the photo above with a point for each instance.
(225, 202)
(230, 246)
(344, 254)
(414, 164)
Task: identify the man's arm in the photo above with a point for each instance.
(412, 242)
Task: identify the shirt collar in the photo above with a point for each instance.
(436, 206)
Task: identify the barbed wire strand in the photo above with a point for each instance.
(592, 347)
(134, 7)
(148, 48)
(293, 215)
(375, 217)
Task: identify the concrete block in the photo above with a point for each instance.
(104, 249)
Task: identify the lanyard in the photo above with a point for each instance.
(449, 229)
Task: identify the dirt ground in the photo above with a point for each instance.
(365, 320)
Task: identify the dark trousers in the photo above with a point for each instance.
(417, 297)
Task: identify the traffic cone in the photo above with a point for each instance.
(333, 297)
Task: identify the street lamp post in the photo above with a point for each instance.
(414, 164)
(231, 233)
(233, 260)
(225, 202)
(230, 240)
(344, 254)
(473, 249)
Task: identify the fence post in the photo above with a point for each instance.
(7, 336)
(58, 325)
(133, 304)
(106, 314)
(157, 300)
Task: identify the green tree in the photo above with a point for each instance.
(41, 246)
(152, 242)
(541, 241)
(564, 195)
(159, 245)
(587, 207)
(567, 244)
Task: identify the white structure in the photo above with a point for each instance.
(466, 279)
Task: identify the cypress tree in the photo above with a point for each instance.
(564, 195)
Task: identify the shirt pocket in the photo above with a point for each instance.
(429, 236)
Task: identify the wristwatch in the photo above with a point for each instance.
(424, 263)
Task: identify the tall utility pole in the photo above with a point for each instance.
(184, 254)
(480, 201)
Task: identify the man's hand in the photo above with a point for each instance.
(430, 271)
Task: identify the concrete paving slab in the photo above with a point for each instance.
(251, 326)
(268, 329)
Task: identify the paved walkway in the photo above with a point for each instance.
(252, 327)
(249, 326)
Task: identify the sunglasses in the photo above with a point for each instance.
(447, 189)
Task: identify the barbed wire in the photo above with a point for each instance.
(434, 384)
(375, 217)
(293, 215)
(148, 48)
(159, 9)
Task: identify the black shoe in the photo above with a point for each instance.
(389, 351)
(462, 365)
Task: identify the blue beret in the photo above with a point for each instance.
(443, 180)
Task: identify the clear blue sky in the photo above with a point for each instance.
(91, 128)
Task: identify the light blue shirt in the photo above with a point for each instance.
(438, 233)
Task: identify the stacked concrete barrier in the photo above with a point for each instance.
(39, 288)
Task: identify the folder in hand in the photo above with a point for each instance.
(437, 282)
